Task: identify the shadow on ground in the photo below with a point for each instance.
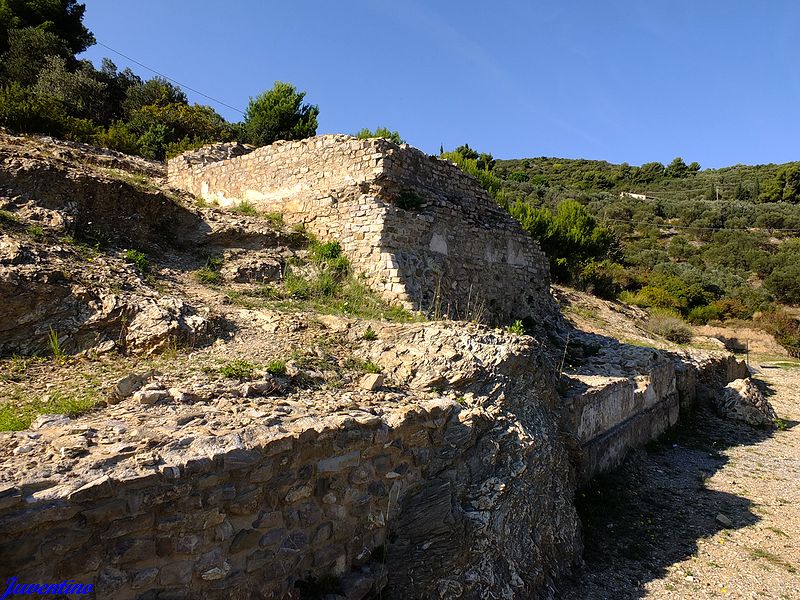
(651, 512)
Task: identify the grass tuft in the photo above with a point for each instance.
(238, 369)
(245, 208)
(16, 416)
(209, 274)
(276, 367)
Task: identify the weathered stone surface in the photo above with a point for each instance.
(742, 400)
(371, 381)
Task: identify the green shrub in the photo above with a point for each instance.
(24, 111)
(669, 326)
(279, 114)
(732, 308)
(329, 256)
(369, 334)
(784, 282)
(700, 315)
(516, 328)
(276, 367)
(605, 279)
(380, 132)
(238, 369)
(118, 137)
(654, 297)
(570, 237)
(321, 253)
(138, 259)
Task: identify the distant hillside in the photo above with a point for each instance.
(676, 181)
(684, 242)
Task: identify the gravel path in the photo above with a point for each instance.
(712, 512)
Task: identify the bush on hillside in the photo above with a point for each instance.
(22, 110)
(669, 326)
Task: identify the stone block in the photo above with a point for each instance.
(177, 573)
(339, 463)
(129, 525)
(245, 539)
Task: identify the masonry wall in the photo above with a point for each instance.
(422, 232)
(611, 415)
(361, 502)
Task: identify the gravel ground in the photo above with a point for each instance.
(711, 512)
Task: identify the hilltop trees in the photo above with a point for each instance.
(45, 89)
(279, 114)
(380, 132)
(63, 18)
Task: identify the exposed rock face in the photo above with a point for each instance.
(41, 291)
(422, 232)
(449, 474)
(254, 266)
(742, 400)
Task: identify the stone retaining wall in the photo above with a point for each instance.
(611, 415)
(423, 233)
(429, 499)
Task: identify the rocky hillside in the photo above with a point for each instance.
(207, 403)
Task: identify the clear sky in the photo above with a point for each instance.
(716, 81)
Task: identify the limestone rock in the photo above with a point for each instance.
(742, 400)
(255, 266)
(724, 520)
(46, 421)
(126, 386)
(150, 396)
(371, 381)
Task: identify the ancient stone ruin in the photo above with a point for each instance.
(422, 232)
(455, 479)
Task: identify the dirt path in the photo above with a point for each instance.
(657, 528)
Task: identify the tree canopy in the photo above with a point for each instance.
(63, 18)
(380, 132)
(279, 114)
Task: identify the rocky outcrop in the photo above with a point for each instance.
(44, 295)
(742, 400)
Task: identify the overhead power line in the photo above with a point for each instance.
(183, 85)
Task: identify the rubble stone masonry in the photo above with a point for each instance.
(423, 233)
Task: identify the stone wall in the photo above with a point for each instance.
(612, 415)
(423, 233)
(425, 498)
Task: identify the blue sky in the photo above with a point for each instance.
(622, 80)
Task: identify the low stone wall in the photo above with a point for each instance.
(427, 498)
(422, 232)
(612, 415)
